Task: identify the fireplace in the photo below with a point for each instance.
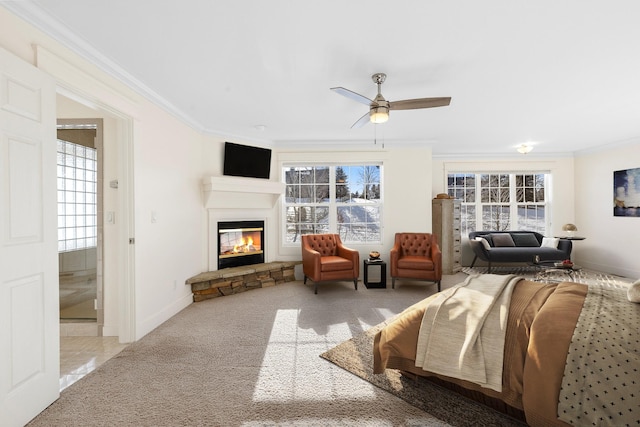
(240, 243)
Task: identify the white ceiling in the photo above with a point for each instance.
(562, 74)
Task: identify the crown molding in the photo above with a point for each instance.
(43, 21)
(609, 146)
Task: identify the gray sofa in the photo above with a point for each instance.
(516, 246)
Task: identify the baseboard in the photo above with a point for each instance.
(158, 318)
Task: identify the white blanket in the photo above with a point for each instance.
(463, 330)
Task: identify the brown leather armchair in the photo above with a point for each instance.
(416, 256)
(324, 258)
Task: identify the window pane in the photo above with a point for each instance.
(339, 199)
(496, 217)
(495, 202)
(76, 196)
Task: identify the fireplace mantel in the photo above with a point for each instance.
(224, 192)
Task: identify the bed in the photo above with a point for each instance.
(540, 332)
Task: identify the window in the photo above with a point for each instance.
(333, 199)
(501, 201)
(77, 196)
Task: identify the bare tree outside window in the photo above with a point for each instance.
(352, 193)
(500, 201)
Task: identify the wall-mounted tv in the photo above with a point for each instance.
(247, 161)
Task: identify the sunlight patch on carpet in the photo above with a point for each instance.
(288, 371)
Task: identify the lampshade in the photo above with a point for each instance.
(569, 227)
(379, 114)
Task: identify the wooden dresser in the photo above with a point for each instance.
(446, 226)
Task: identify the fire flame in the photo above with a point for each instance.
(245, 246)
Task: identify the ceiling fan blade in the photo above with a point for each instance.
(412, 104)
(361, 121)
(352, 95)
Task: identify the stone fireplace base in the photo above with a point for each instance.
(229, 281)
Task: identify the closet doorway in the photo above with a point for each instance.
(79, 184)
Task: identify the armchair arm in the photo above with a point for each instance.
(436, 257)
(310, 262)
(350, 254)
(394, 255)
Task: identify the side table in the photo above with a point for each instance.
(547, 269)
(383, 273)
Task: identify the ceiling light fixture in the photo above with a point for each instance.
(379, 114)
(524, 148)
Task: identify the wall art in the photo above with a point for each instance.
(626, 192)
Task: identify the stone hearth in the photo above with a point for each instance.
(229, 281)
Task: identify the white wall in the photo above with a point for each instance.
(167, 164)
(612, 243)
(406, 180)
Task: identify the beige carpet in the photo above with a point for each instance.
(250, 359)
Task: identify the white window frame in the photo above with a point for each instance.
(513, 202)
(333, 204)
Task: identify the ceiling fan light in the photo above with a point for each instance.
(524, 149)
(379, 114)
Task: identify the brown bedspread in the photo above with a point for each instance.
(541, 321)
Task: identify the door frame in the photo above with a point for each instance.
(99, 147)
(126, 255)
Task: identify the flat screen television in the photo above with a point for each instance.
(246, 161)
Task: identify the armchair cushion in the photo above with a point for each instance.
(335, 263)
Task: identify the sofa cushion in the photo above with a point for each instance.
(550, 242)
(502, 240)
(525, 240)
(488, 238)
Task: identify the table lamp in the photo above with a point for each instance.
(569, 229)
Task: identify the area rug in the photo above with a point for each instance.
(356, 356)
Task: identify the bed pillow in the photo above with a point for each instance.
(484, 242)
(633, 293)
(502, 240)
(525, 240)
(550, 242)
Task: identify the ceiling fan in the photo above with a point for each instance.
(379, 107)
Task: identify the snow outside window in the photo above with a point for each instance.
(333, 199)
(501, 201)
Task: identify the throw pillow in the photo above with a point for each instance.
(484, 242)
(633, 293)
(550, 242)
(502, 240)
(525, 240)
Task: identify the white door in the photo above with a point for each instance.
(29, 311)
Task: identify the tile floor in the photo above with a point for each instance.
(79, 355)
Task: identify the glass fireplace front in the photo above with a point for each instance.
(240, 243)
